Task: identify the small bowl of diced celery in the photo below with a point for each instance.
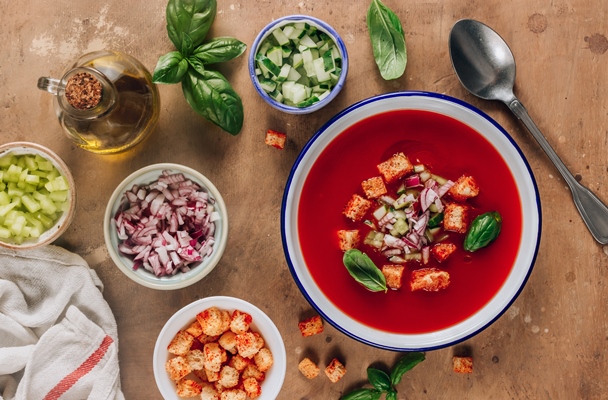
(37, 195)
(298, 64)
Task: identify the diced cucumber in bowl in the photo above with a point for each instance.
(298, 64)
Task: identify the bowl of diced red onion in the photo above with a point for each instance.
(166, 226)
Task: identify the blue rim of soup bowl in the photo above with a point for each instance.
(264, 33)
(531, 227)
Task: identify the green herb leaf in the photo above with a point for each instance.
(211, 95)
(388, 40)
(406, 363)
(196, 64)
(391, 395)
(363, 269)
(188, 22)
(362, 394)
(483, 231)
(379, 379)
(219, 49)
(170, 68)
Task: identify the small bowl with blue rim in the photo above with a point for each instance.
(298, 64)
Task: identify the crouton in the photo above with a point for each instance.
(200, 374)
(311, 326)
(335, 370)
(240, 322)
(239, 362)
(455, 217)
(228, 341)
(395, 167)
(275, 139)
(196, 359)
(213, 321)
(212, 376)
(356, 207)
(441, 251)
(195, 329)
(208, 392)
(215, 356)
(204, 339)
(259, 340)
(393, 275)
(429, 279)
(180, 344)
(234, 394)
(177, 368)
(248, 344)
(462, 365)
(464, 188)
(188, 388)
(252, 388)
(373, 187)
(229, 377)
(263, 359)
(308, 368)
(252, 371)
(349, 239)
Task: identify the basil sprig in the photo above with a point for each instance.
(207, 92)
(483, 231)
(363, 269)
(388, 40)
(383, 382)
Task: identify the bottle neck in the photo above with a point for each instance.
(83, 93)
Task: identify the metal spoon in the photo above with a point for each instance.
(485, 66)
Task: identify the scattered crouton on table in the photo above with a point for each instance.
(275, 139)
(311, 326)
(308, 368)
(462, 365)
(335, 370)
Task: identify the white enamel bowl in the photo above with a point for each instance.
(531, 220)
(198, 270)
(271, 386)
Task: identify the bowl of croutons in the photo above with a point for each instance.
(219, 346)
(411, 221)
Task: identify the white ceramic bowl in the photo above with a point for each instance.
(524, 259)
(198, 270)
(322, 26)
(60, 226)
(271, 386)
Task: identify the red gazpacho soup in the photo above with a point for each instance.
(448, 148)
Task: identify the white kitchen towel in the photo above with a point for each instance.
(58, 336)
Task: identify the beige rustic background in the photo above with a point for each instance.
(551, 344)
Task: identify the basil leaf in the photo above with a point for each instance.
(363, 269)
(388, 40)
(211, 95)
(170, 68)
(483, 231)
(391, 395)
(379, 379)
(406, 363)
(362, 394)
(219, 49)
(188, 22)
(196, 64)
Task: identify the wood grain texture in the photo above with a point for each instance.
(552, 343)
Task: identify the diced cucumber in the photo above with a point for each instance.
(297, 64)
(280, 37)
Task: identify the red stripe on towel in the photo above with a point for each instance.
(70, 380)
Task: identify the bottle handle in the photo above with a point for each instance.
(50, 85)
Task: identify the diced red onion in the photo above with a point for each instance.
(412, 181)
(427, 197)
(443, 189)
(167, 225)
(426, 254)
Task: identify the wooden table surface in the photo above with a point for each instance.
(550, 344)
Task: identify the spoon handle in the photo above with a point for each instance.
(593, 211)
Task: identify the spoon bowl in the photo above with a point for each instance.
(485, 66)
